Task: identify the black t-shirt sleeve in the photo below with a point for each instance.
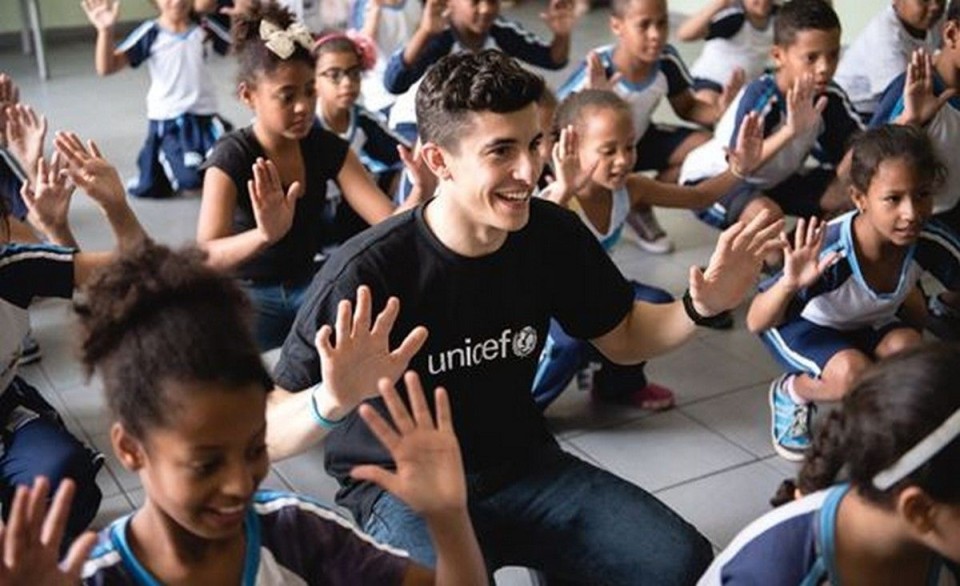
(591, 294)
(234, 155)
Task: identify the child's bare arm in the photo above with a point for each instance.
(697, 25)
(96, 176)
(103, 14)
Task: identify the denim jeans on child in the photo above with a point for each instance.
(575, 522)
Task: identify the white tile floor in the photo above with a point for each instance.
(710, 458)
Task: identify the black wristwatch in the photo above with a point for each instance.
(712, 321)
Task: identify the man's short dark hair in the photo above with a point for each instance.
(464, 83)
(801, 15)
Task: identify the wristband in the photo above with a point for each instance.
(737, 173)
(711, 321)
(315, 412)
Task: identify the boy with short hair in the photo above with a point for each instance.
(484, 266)
(801, 178)
(452, 26)
(642, 68)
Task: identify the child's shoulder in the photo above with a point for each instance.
(786, 534)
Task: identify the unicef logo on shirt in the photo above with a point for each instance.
(474, 353)
(524, 342)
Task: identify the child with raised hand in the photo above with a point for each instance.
(182, 115)
(35, 441)
(263, 213)
(882, 50)
(341, 60)
(738, 35)
(642, 68)
(833, 309)
(802, 179)
(895, 519)
(190, 420)
(390, 23)
(452, 26)
(593, 159)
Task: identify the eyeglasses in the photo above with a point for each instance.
(336, 74)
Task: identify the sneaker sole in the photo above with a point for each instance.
(781, 451)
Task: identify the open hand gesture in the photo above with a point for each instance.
(30, 541)
(597, 75)
(434, 19)
(25, 133)
(802, 265)
(48, 197)
(352, 369)
(90, 171)
(560, 17)
(102, 14)
(429, 471)
(746, 155)
(920, 104)
(734, 265)
(804, 107)
(273, 209)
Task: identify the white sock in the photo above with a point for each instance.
(792, 391)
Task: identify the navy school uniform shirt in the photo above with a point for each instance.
(825, 144)
(668, 78)
(508, 36)
(488, 318)
(292, 257)
(290, 540)
(795, 545)
(842, 299)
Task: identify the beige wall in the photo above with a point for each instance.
(67, 13)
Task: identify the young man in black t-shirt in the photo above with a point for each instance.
(484, 267)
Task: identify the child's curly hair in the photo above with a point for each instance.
(253, 55)
(155, 316)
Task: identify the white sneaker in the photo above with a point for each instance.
(650, 235)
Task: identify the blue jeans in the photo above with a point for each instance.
(275, 306)
(564, 356)
(575, 522)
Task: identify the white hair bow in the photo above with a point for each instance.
(281, 41)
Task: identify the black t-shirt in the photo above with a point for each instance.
(290, 258)
(487, 318)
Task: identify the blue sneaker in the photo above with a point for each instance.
(789, 422)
